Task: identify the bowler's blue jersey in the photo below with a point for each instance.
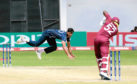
(57, 34)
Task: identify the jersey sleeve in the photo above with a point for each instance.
(63, 38)
(108, 18)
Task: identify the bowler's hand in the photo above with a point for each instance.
(71, 57)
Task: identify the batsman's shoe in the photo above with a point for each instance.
(38, 54)
(104, 76)
(21, 40)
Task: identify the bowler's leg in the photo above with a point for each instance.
(38, 42)
(53, 45)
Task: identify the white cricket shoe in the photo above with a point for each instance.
(104, 76)
(21, 40)
(38, 55)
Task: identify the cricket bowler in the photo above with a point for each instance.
(51, 35)
(101, 44)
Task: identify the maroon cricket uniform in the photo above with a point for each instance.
(101, 42)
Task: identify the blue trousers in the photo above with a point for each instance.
(51, 41)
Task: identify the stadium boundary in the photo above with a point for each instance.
(73, 48)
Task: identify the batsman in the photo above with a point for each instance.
(101, 44)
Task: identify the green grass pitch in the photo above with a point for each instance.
(59, 58)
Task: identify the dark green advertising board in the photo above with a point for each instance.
(78, 39)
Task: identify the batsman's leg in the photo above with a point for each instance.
(104, 71)
(97, 53)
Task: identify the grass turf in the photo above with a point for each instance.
(59, 58)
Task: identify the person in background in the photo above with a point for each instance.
(135, 29)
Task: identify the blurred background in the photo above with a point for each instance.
(28, 15)
(82, 15)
